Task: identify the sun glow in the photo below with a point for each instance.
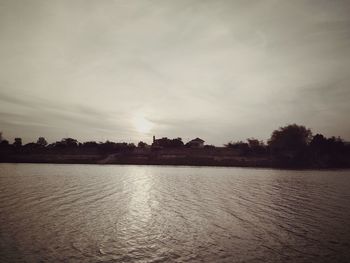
(142, 125)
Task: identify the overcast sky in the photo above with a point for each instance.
(125, 70)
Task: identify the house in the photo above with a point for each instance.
(196, 143)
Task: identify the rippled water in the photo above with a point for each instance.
(90, 213)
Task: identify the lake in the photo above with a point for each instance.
(111, 213)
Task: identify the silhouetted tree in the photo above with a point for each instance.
(319, 144)
(289, 144)
(241, 147)
(70, 142)
(108, 147)
(290, 138)
(90, 145)
(177, 142)
(131, 146)
(17, 142)
(329, 152)
(30, 147)
(168, 143)
(141, 144)
(336, 145)
(256, 146)
(64, 144)
(41, 142)
(4, 143)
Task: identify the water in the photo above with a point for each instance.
(90, 213)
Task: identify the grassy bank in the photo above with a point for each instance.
(184, 156)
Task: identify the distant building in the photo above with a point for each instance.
(196, 143)
(155, 141)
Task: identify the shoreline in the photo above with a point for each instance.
(172, 164)
(196, 157)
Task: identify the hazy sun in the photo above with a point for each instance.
(142, 125)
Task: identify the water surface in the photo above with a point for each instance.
(91, 213)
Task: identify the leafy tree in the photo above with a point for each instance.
(90, 145)
(30, 147)
(319, 144)
(4, 143)
(109, 146)
(241, 147)
(289, 145)
(168, 143)
(336, 145)
(66, 143)
(17, 142)
(41, 142)
(131, 146)
(256, 146)
(329, 152)
(252, 142)
(70, 142)
(290, 138)
(141, 144)
(177, 142)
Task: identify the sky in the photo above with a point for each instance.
(127, 70)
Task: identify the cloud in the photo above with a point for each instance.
(222, 70)
(73, 119)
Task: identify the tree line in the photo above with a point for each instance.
(69, 145)
(295, 146)
(289, 146)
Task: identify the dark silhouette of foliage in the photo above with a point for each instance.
(70, 142)
(65, 143)
(241, 147)
(209, 147)
(30, 147)
(256, 146)
(251, 147)
(4, 144)
(327, 152)
(142, 144)
(289, 145)
(168, 143)
(110, 147)
(17, 142)
(41, 142)
(290, 138)
(131, 146)
(89, 145)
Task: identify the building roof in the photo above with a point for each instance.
(197, 140)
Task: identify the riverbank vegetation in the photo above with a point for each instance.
(291, 146)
